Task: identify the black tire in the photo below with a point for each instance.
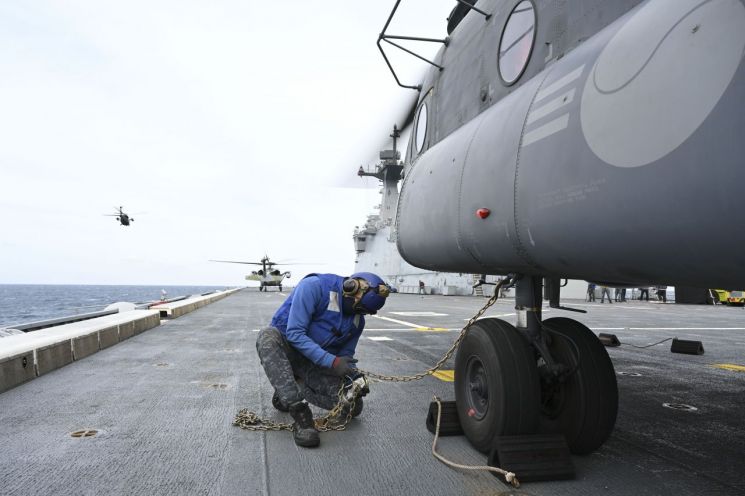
(583, 408)
(261, 288)
(497, 389)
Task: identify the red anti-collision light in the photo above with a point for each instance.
(483, 213)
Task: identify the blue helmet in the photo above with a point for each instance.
(374, 299)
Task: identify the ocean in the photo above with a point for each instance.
(22, 303)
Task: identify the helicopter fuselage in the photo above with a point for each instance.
(616, 156)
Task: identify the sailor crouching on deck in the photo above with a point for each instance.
(308, 350)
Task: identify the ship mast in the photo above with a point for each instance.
(389, 172)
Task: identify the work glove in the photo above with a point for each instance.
(342, 366)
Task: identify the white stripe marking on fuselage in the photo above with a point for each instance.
(551, 106)
(546, 130)
(559, 83)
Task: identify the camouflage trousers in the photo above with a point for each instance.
(294, 377)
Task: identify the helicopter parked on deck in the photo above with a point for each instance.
(554, 135)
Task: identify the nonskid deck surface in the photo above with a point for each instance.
(163, 402)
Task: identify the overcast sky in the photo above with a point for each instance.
(222, 127)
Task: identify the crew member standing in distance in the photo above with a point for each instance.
(308, 349)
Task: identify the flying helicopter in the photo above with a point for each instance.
(554, 136)
(267, 276)
(122, 217)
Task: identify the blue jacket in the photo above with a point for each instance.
(313, 323)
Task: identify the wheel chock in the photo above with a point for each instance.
(533, 457)
(687, 347)
(609, 340)
(449, 421)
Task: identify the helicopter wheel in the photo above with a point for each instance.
(583, 404)
(497, 390)
(280, 289)
(261, 288)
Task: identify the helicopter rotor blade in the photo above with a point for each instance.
(347, 176)
(409, 119)
(298, 263)
(238, 262)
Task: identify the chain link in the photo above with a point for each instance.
(250, 421)
(449, 353)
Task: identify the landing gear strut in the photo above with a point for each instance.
(550, 377)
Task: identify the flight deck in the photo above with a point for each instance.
(153, 414)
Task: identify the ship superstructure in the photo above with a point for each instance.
(375, 241)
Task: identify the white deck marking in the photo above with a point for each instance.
(669, 328)
(419, 314)
(410, 329)
(598, 305)
(379, 338)
(402, 322)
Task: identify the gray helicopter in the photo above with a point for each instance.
(556, 136)
(267, 276)
(123, 218)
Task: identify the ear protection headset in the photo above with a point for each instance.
(351, 286)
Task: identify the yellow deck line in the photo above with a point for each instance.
(445, 375)
(417, 327)
(729, 366)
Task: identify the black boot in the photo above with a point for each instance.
(304, 429)
(277, 403)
